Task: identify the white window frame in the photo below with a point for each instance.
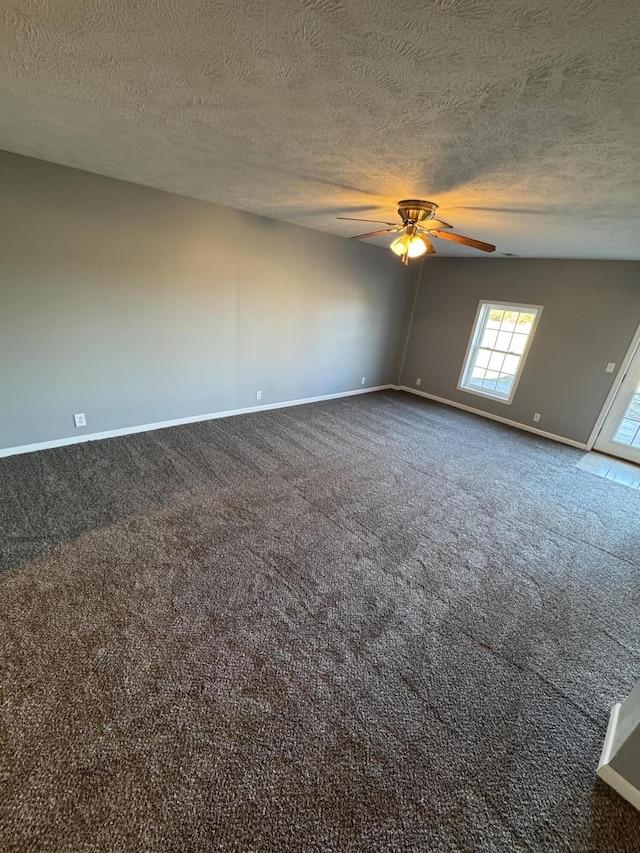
(484, 307)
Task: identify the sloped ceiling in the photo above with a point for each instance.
(521, 118)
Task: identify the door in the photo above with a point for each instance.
(620, 433)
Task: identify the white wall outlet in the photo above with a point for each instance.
(80, 420)
(258, 395)
(362, 380)
(611, 367)
(418, 381)
(536, 417)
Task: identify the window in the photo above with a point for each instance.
(498, 348)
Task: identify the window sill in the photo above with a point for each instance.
(486, 394)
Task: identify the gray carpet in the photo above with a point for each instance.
(368, 624)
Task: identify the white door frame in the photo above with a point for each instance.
(620, 377)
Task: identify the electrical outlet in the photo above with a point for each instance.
(536, 417)
(258, 395)
(80, 420)
(362, 380)
(418, 381)
(611, 367)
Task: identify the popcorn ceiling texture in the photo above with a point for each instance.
(520, 117)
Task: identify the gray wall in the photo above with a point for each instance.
(136, 306)
(591, 312)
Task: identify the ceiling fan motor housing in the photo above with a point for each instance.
(415, 210)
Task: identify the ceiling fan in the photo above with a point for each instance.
(418, 226)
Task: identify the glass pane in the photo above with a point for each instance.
(494, 319)
(509, 321)
(518, 343)
(489, 338)
(482, 359)
(511, 363)
(629, 429)
(503, 341)
(628, 432)
(634, 406)
(496, 360)
(525, 322)
(504, 383)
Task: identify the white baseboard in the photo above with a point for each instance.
(525, 427)
(113, 433)
(607, 773)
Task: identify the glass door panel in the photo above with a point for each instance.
(628, 432)
(620, 433)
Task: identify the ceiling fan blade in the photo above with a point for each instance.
(375, 233)
(466, 241)
(353, 219)
(433, 224)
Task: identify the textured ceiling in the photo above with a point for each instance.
(521, 118)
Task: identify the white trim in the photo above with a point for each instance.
(620, 376)
(580, 445)
(484, 307)
(113, 433)
(607, 748)
(620, 784)
(606, 772)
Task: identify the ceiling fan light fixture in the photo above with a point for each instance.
(417, 246)
(412, 245)
(401, 245)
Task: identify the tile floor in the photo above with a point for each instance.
(625, 473)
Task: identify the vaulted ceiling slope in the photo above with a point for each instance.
(521, 118)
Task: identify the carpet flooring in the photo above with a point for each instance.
(370, 624)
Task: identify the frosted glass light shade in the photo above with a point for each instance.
(412, 245)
